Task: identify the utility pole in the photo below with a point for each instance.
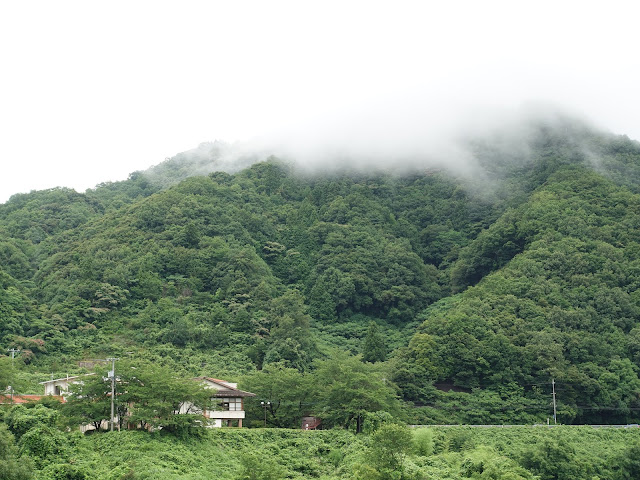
(112, 375)
(13, 354)
(553, 389)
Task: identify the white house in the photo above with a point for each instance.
(228, 403)
(227, 399)
(60, 386)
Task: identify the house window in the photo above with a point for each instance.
(231, 404)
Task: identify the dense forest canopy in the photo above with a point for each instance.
(470, 293)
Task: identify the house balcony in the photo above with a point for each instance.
(225, 414)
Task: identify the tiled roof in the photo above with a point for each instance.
(6, 398)
(227, 390)
(67, 378)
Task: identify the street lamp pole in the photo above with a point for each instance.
(264, 406)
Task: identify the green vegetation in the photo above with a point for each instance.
(363, 299)
(392, 451)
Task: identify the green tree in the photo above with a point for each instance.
(147, 395)
(348, 388)
(287, 392)
(154, 396)
(373, 346)
(290, 339)
(384, 459)
(23, 418)
(89, 401)
(390, 444)
(12, 467)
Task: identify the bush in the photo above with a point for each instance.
(389, 446)
(484, 463)
(21, 418)
(423, 442)
(65, 471)
(628, 463)
(43, 442)
(554, 460)
(11, 467)
(459, 439)
(256, 467)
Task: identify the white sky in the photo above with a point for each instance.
(91, 91)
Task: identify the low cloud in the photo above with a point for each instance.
(397, 140)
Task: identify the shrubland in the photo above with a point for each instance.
(390, 451)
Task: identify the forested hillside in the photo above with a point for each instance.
(470, 293)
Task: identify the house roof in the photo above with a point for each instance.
(6, 398)
(227, 389)
(66, 379)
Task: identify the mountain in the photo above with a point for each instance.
(486, 281)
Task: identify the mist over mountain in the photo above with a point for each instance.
(478, 146)
(207, 157)
(492, 271)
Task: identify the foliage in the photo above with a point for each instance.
(11, 466)
(65, 471)
(42, 442)
(286, 392)
(349, 389)
(22, 418)
(627, 466)
(154, 396)
(485, 463)
(255, 467)
(6, 373)
(148, 396)
(373, 347)
(423, 442)
(526, 273)
(481, 453)
(554, 460)
(389, 446)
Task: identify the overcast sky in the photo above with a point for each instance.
(91, 91)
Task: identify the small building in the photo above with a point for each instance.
(228, 403)
(60, 386)
(227, 399)
(311, 423)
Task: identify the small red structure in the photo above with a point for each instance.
(311, 423)
(15, 399)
